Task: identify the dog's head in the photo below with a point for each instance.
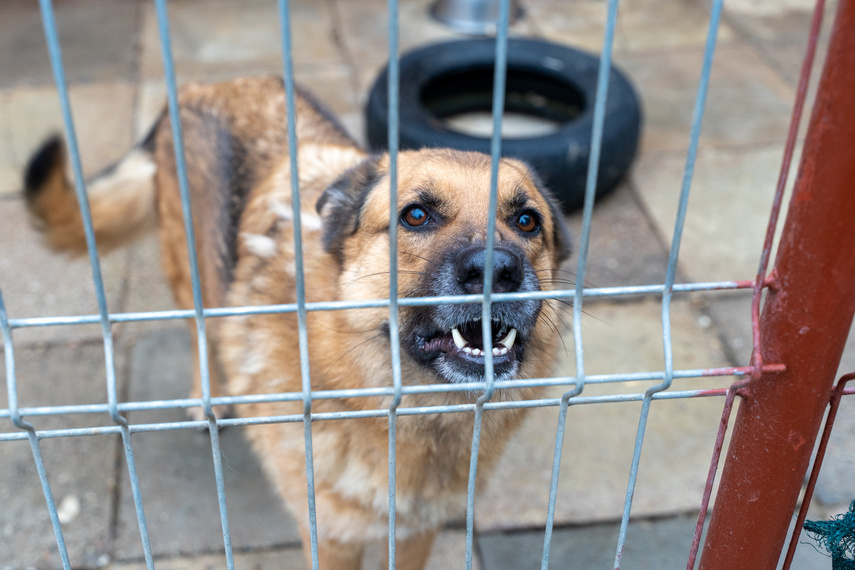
(442, 209)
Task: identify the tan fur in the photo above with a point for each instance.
(122, 206)
(347, 349)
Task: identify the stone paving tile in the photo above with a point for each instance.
(80, 469)
(364, 33)
(656, 543)
(624, 248)
(448, 552)
(730, 312)
(765, 20)
(729, 206)
(28, 115)
(290, 559)
(219, 34)
(97, 38)
(642, 25)
(661, 544)
(176, 474)
(38, 283)
(600, 437)
(747, 102)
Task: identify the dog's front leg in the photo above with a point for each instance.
(333, 555)
(412, 553)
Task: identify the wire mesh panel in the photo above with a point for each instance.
(572, 385)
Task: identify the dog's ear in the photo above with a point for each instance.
(341, 202)
(561, 241)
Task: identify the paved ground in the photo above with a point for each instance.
(113, 65)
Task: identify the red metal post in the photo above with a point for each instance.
(804, 325)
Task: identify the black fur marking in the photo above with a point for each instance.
(339, 206)
(42, 164)
(241, 180)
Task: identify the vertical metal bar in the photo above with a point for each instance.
(290, 102)
(18, 421)
(761, 279)
(697, 119)
(394, 329)
(604, 73)
(499, 81)
(55, 53)
(181, 171)
(804, 325)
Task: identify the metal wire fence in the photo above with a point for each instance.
(575, 385)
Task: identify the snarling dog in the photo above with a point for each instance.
(240, 185)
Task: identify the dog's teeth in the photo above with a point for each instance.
(476, 352)
(467, 350)
(508, 341)
(497, 352)
(458, 338)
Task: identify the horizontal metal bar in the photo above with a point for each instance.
(377, 303)
(390, 391)
(362, 414)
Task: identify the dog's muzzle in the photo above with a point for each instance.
(450, 338)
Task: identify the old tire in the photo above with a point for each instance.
(545, 80)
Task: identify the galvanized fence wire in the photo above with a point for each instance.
(575, 384)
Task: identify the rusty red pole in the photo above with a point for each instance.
(804, 325)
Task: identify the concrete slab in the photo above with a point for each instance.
(654, 543)
(747, 102)
(176, 474)
(624, 249)
(38, 283)
(642, 25)
(97, 38)
(764, 20)
(270, 560)
(80, 469)
(599, 438)
(365, 39)
(650, 544)
(729, 206)
(449, 551)
(223, 35)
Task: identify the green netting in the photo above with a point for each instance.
(837, 536)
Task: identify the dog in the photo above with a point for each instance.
(239, 176)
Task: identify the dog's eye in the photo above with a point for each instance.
(527, 222)
(415, 216)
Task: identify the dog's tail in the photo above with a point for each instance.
(121, 198)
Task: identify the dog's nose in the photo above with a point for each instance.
(507, 270)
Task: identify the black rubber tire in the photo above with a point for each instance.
(459, 73)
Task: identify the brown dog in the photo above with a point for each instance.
(239, 176)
